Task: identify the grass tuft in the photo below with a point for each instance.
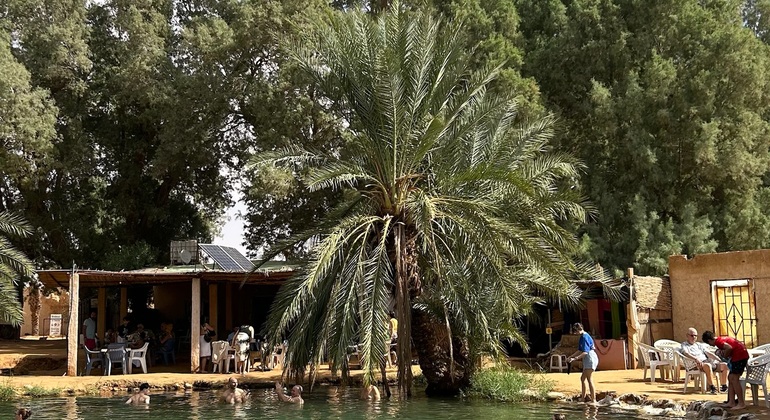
(7, 392)
(40, 391)
(508, 385)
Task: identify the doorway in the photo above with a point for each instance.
(734, 310)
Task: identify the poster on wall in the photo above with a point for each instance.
(55, 327)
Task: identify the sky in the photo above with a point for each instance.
(232, 231)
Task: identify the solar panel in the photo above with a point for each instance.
(227, 258)
(239, 258)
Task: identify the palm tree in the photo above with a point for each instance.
(13, 264)
(452, 212)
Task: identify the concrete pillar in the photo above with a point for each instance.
(213, 306)
(195, 325)
(228, 305)
(101, 313)
(123, 304)
(73, 327)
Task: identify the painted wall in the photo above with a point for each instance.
(691, 287)
(56, 303)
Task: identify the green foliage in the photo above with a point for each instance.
(13, 265)
(507, 384)
(671, 124)
(41, 391)
(8, 392)
(435, 176)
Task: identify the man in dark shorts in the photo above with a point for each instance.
(736, 352)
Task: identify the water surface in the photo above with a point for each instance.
(323, 403)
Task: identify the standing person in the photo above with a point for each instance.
(207, 332)
(295, 397)
(142, 396)
(737, 355)
(89, 330)
(393, 332)
(587, 352)
(694, 350)
(233, 394)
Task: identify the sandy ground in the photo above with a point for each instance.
(45, 362)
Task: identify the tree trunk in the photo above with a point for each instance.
(431, 339)
(34, 305)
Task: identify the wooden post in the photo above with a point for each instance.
(195, 325)
(101, 313)
(123, 303)
(228, 305)
(632, 321)
(213, 307)
(73, 326)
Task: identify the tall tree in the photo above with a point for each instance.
(671, 123)
(447, 204)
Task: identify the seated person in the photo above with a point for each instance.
(696, 351)
(233, 333)
(233, 394)
(295, 397)
(167, 340)
(142, 396)
(110, 337)
(137, 339)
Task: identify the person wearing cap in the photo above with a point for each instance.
(295, 397)
(587, 352)
(233, 394)
(142, 396)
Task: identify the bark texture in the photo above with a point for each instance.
(431, 340)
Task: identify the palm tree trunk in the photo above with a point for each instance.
(404, 315)
(34, 305)
(447, 370)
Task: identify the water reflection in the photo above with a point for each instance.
(591, 411)
(323, 402)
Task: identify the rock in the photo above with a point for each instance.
(188, 385)
(555, 396)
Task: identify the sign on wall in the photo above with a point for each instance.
(55, 327)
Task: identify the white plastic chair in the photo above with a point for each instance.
(691, 370)
(558, 362)
(756, 375)
(278, 356)
(220, 355)
(664, 342)
(138, 355)
(116, 356)
(92, 357)
(670, 351)
(654, 359)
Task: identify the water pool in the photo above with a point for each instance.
(323, 403)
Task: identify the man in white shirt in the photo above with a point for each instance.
(694, 350)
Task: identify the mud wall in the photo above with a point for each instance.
(691, 287)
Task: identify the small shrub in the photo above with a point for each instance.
(7, 392)
(507, 384)
(40, 391)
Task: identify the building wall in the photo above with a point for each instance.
(691, 287)
(173, 302)
(56, 303)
